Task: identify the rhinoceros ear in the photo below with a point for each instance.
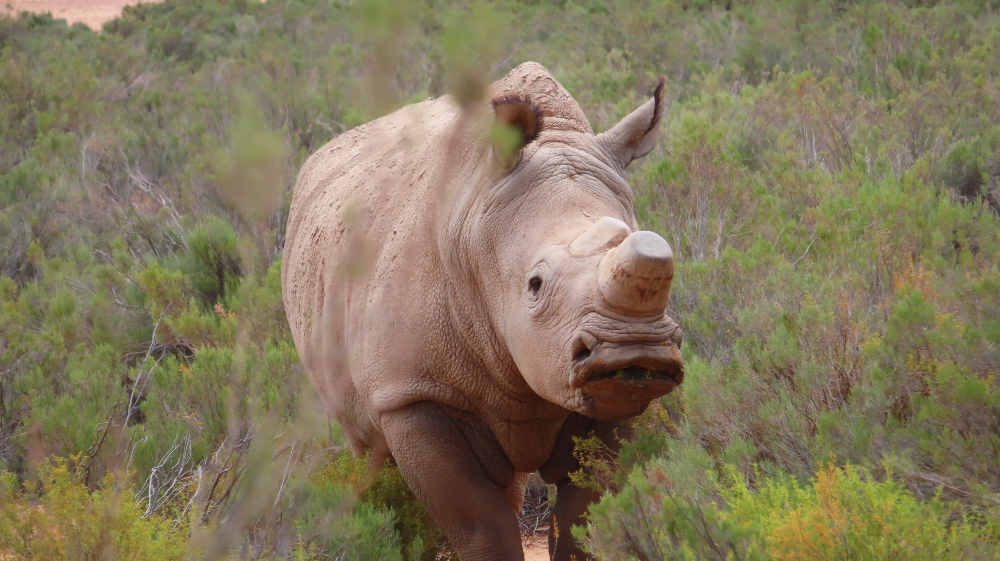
(635, 135)
(516, 126)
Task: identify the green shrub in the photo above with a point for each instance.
(845, 513)
(329, 528)
(213, 260)
(420, 537)
(66, 520)
(842, 513)
(651, 518)
(961, 169)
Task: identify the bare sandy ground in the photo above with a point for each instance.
(91, 12)
(539, 551)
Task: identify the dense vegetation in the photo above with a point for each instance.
(829, 177)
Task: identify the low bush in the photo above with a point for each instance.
(65, 519)
(846, 513)
(420, 537)
(842, 513)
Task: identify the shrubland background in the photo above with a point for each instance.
(827, 176)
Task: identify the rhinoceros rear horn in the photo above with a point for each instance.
(634, 278)
(635, 135)
(516, 126)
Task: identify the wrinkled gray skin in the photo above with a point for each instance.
(467, 310)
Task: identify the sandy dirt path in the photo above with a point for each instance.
(91, 12)
(538, 551)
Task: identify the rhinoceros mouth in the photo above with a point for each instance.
(639, 366)
(619, 381)
(632, 383)
(632, 374)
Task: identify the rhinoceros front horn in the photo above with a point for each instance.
(634, 278)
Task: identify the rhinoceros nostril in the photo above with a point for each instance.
(583, 346)
(582, 352)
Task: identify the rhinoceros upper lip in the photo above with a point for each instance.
(627, 362)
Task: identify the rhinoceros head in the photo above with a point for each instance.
(576, 293)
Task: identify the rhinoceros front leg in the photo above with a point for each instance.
(572, 501)
(440, 463)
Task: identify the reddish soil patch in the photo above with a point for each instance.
(538, 551)
(91, 12)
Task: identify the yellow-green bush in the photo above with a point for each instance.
(845, 513)
(842, 513)
(65, 519)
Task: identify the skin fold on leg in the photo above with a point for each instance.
(439, 463)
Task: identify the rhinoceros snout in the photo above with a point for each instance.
(620, 380)
(634, 277)
(620, 365)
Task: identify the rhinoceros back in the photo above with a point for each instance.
(363, 208)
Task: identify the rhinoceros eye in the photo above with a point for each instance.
(535, 284)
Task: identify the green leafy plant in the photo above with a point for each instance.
(80, 523)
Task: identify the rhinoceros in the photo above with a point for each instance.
(466, 308)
